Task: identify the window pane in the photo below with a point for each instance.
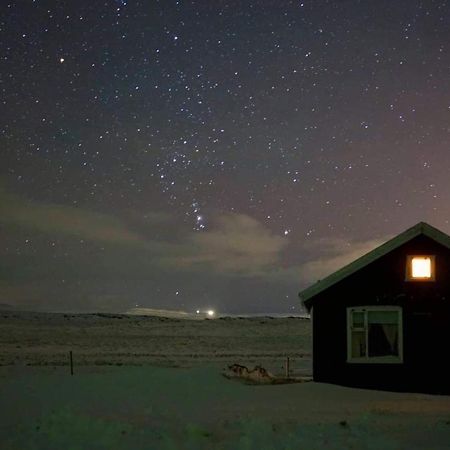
(421, 267)
(383, 339)
(388, 317)
(358, 319)
(358, 344)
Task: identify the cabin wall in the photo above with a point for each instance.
(426, 323)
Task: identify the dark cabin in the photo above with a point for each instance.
(383, 321)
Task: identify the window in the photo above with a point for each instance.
(420, 268)
(374, 334)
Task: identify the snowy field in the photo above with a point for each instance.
(152, 383)
(41, 339)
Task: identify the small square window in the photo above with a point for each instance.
(420, 268)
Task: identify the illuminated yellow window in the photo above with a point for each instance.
(420, 268)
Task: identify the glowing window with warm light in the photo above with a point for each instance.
(420, 268)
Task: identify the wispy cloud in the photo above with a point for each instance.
(336, 253)
(65, 220)
(236, 245)
(333, 254)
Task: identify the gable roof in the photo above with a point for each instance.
(421, 228)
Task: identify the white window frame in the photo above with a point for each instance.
(374, 359)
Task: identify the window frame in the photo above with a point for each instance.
(408, 273)
(389, 359)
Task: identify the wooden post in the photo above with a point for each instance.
(71, 363)
(287, 366)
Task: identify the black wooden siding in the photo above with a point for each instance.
(426, 323)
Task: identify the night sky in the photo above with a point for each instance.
(213, 154)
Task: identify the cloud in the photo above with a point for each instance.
(66, 220)
(333, 254)
(237, 245)
(337, 253)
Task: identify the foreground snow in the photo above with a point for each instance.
(156, 383)
(175, 408)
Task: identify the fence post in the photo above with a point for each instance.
(287, 366)
(71, 363)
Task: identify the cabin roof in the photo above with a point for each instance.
(421, 228)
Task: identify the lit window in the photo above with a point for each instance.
(374, 334)
(420, 268)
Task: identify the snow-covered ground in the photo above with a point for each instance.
(40, 339)
(182, 401)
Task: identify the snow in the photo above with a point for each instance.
(183, 401)
(108, 339)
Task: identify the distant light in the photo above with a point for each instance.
(210, 313)
(61, 60)
(198, 311)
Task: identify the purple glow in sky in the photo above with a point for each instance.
(223, 155)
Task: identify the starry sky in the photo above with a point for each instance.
(213, 154)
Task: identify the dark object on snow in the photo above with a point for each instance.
(383, 321)
(259, 375)
(256, 375)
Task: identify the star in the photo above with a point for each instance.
(219, 150)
